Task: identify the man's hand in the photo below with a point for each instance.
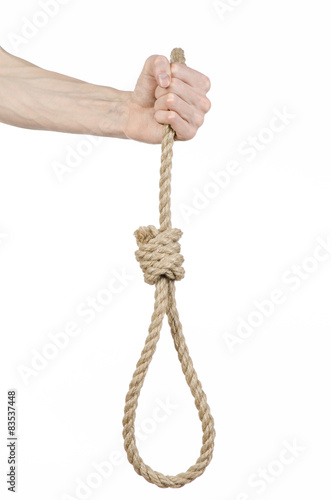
(35, 98)
(166, 93)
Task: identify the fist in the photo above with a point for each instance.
(167, 93)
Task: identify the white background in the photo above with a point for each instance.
(62, 241)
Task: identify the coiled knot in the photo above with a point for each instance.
(159, 253)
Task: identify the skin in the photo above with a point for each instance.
(35, 98)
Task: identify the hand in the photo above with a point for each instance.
(166, 93)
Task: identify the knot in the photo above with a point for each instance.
(159, 253)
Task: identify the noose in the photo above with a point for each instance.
(161, 262)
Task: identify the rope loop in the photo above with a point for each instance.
(161, 262)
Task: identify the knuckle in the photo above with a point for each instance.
(151, 60)
(173, 117)
(206, 104)
(171, 99)
(198, 119)
(174, 68)
(158, 59)
(207, 84)
(191, 133)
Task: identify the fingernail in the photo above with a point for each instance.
(164, 80)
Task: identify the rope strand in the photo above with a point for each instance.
(161, 262)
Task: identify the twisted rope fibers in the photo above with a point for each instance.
(161, 262)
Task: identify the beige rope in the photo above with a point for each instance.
(161, 263)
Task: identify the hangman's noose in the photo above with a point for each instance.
(161, 262)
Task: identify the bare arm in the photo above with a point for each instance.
(35, 98)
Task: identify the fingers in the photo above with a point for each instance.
(159, 67)
(172, 102)
(180, 94)
(190, 76)
(182, 106)
(184, 130)
(193, 96)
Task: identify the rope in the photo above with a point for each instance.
(161, 262)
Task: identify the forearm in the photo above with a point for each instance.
(34, 98)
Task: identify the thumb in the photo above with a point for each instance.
(159, 67)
